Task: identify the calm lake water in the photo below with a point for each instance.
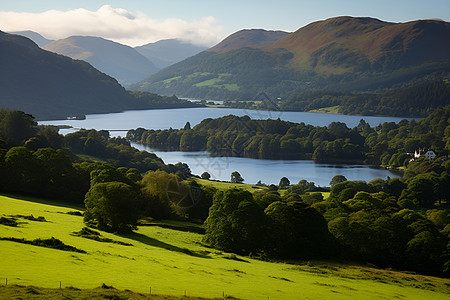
(267, 170)
(177, 118)
(252, 170)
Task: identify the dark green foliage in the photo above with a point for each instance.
(48, 243)
(284, 182)
(399, 238)
(386, 144)
(243, 137)
(404, 102)
(30, 218)
(235, 222)
(297, 231)
(16, 126)
(337, 179)
(205, 175)
(116, 151)
(87, 233)
(8, 221)
(112, 206)
(236, 177)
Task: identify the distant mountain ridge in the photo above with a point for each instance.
(52, 86)
(34, 36)
(343, 53)
(164, 53)
(119, 61)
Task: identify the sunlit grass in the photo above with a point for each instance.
(328, 110)
(220, 185)
(172, 262)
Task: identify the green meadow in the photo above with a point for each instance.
(172, 262)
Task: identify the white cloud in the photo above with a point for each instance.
(116, 24)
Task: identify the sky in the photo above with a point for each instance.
(202, 22)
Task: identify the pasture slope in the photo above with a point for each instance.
(176, 263)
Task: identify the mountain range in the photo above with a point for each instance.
(126, 64)
(342, 53)
(34, 36)
(164, 53)
(51, 86)
(119, 61)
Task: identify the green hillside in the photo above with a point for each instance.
(176, 263)
(344, 53)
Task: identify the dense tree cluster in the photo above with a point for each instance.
(286, 229)
(386, 144)
(407, 220)
(37, 161)
(405, 102)
(391, 213)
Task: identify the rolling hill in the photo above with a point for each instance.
(343, 53)
(173, 262)
(164, 53)
(49, 86)
(116, 60)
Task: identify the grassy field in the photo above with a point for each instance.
(173, 262)
(248, 187)
(228, 185)
(328, 110)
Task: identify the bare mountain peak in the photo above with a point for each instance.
(248, 38)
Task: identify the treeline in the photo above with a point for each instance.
(154, 101)
(385, 144)
(395, 223)
(416, 101)
(37, 161)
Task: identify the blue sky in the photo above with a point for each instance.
(203, 21)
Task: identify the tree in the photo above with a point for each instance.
(236, 177)
(235, 222)
(337, 179)
(284, 182)
(206, 175)
(297, 231)
(112, 206)
(187, 126)
(16, 126)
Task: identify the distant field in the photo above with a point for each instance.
(228, 185)
(328, 110)
(248, 187)
(174, 263)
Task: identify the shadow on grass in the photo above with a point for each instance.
(157, 243)
(45, 201)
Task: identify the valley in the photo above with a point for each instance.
(181, 150)
(173, 262)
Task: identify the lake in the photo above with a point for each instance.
(177, 118)
(252, 170)
(267, 170)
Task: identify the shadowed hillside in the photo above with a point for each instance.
(49, 85)
(119, 61)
